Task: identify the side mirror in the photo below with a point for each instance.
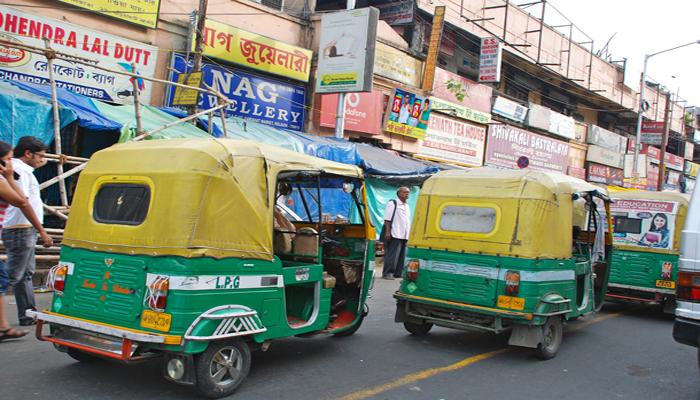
(348, 187)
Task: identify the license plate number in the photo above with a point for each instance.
(666, 284)
(514, 303)
(155, 320)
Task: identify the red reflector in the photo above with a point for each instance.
(412, 270)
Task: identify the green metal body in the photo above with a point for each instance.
(461, 290)
(638, 275)
(110, 288)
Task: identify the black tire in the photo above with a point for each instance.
(699, 357)
(82, 356)
(552, 336)
(222, 367)
(351, 331)
(418, 329)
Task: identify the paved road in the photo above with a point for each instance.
(621, 353)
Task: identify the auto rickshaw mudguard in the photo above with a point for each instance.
(222, 322)
(551, 304)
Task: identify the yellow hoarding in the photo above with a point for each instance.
(255, 51)
(184, 96)
(139, 12)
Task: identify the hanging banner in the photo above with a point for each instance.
(451, 140)
(407, 114)
(346, 57)
(113, 52)
(511, 147)
(509, 109)
(363, 111)
(462, 91)
(395, 64)
(644, 223)
(396, 13)
(255, 51)
(490, 60)
(139, 12)
(256, 99)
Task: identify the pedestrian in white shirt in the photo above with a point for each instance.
(397, 225)
(18, 235)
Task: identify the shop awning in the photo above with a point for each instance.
(381, 163)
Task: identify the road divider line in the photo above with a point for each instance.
(427, 373)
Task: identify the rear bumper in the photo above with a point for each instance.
(686, 331)
(641, 292)
(97, 338)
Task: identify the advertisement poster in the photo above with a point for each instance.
(113, 52)
(451, 140)
(510, 147)
(644, 223)
(509, 109)
(474, 96)
(346, 56)
(255, 51)
(363, 111)
(256, 99)
(139, 12)
(407, 114)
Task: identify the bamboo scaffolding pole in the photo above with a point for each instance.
(178, 122)
(66, 157)
(65, 175)
(137, 102)
(56, 120)
(55, 212)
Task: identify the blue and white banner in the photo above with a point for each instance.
(255, 98)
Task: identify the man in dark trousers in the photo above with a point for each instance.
(397, 225)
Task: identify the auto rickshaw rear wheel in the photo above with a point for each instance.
(222, 367)
(552, 335)
(420, 329)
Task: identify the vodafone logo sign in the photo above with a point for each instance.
(11, 57)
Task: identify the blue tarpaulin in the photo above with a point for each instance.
(27, 114)
(84, 108)
(329, 148)
(380, 162)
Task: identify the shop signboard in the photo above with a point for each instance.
(644, 223)
(458, 111)
(139, 12)
(490, 60)
(251, 50)
(604, 174)
(363, 111)
(511, 147)
(112, 52)
(689, 151)
(453, 140)
(407, 114)
(460, 90)
(547, 120)
(606, 139)
(674, 162)
(652, 177)
(346, 57)
(691, 169)
(396, 13)
(394, 64)
(652, 132)
(509, 109)
(605, 156)
(264, 100)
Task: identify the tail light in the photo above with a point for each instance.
(688, 286)
(412, 270)
(57, 277)
(512, 283)
(157, 296)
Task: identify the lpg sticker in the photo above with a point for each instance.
(228, 282)
(221, 282)
(302, 274)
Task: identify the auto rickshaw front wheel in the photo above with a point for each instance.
(222, 367)
(552, 335)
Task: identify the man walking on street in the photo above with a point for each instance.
(397, 225)
(18, 235)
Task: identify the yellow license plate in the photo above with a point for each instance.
(514, 303)
(156, 320)
(666, 284)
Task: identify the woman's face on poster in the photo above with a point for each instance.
(659, 222)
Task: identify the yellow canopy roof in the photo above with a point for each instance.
(532, 212)
(209, 197)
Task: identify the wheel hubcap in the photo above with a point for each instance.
(549, 336)
(226, 366)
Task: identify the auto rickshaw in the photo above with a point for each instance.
(497, 250)
(647, 229)
(184, 249)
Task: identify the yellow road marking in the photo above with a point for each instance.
(427, 373)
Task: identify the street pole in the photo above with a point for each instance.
(199, 43)
(664, 142)
(340, 111)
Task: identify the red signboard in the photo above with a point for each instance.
(363, 111)
(507, 144)
(653, 153)
(603, 174)
(673, 161)
(476, 96)
(652, 127)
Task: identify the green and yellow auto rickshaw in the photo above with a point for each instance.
(647, 230)
(498, 250)
(199, 250)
